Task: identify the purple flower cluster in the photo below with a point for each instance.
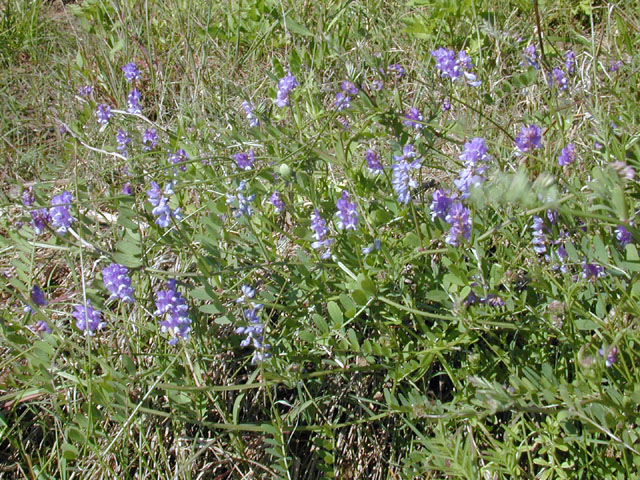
(455, 66)
(131, 72)
(459, 218)
(248, 111)
(401, 179)
(570, 62)
(531, 56)
(286, 85)
(539, 237)
(160, 203)
(122, 139)
(413, 118)
(103, 114)
(446, 207)
(276, 201)
(592, 271)
(254, 331)
(349, 88)
(342, 101)
(397, 69)
(474, 157)
(347, 212)
(39, 220)
(180, 156)
(149, 139)
(59, 215)
(85, 90)
(611, 355)
(320, 231)
(241, 204)
(373, 161)
(440, 203)
(560, 78)
(529, 139)
(567, 155)
(244, 161)
(38, 298)
(171, 306)
(133, 102)
(623, 235)
(118, 283)
(88, 319)
(27, 197)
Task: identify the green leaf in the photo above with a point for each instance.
(295, 27)
(335, 313)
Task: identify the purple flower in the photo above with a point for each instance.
(39, 220)
(244, 160)
(118, 283)
(242, 203)
(570, 62)
(611, 354)
(248, 293)
(529, 138)
(171, 306)
(88, 319)
(531, 56)
(625, 171)
(40, 326)
(446, 105)
(27, 197)
(342, 101)
(459, 217)
(248, 110)
(127, 189)
(347, 212)
(180, 156)
(103, 114)
(61, 219)
(349, 87)
(85, 90)
(413, 117)
(286, 85)
(567, 155)
(560, 78)
(454, 66)
(320, 231)
(373, 161)
(591, 271)
(123, 139)
(377, 244)
(401, 179)
(133, 102)
(160, 203)
(539, 237)
(615, 65)
(149, 139)
(397, 69)
(254, 334)
(623, 236)
(131, 72)
(474, 151)
(276, 201)
(440, 204)
(38, 298)
(344, 122)
(377, 84)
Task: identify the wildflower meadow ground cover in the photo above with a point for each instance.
(331, 239)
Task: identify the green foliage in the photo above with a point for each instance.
(398, 354)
